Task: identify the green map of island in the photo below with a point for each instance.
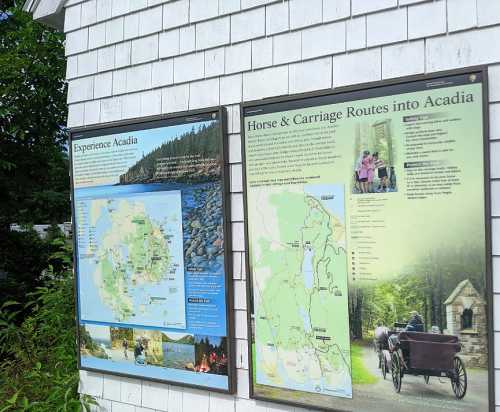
(299, 273)
(136, 267)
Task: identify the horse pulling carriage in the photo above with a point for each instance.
(419, 353)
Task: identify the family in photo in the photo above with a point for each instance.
(372, 175)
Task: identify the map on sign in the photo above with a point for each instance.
(299, 267)
(131, 267)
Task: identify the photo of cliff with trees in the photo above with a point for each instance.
(193, 157)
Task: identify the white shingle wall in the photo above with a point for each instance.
(132, 58)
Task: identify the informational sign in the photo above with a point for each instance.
(368, 254)
(152, 251)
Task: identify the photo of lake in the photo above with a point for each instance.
(178, 351)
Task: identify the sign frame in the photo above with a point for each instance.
(361, 89)
(151, 122)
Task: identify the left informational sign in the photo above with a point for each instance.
(151, 250)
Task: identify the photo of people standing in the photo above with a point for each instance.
(374, 166)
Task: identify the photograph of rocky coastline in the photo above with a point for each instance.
(203, 228)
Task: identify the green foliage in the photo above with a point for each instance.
(424, 287)
(33, 163)
(38, 356)
(360, 374)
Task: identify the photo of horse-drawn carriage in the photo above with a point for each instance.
(403, 352)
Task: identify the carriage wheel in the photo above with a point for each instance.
(459, 380)
(384, 368)
(396, 372)
(426, 379)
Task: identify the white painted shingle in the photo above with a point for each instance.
(162, 73)
(221, 403)
(462, 49)
(155, 395)
(139, 78)
(114, 30)
(488, 12)
(386, 27)
(72, 67)
(305, 13)
(231, 89)
(87, 63)
(150, 106)
(175, 399)
(238, 57)
(97, 35)
(311, 75)
(412, 54)
(72, 17)
(103, 9)
(131, 105)
(195, 400)
(358, 67)
(287, 47)
(169, 43)
(462, 14)
(248, 25)
(356, 33)
(123, 54)
(77, 41)
(103, 83)
(120, 7)
(214, 62)
(150, 20)
(75, 114)
(175, 99)
(239, 315)
(495, 165)
(145, 49)
(494, 83)
(189, 67)
(241, 352)
(175, 13)
(237, 215)
(120, 81)
(277, 18)
(495, 211)
(92, 112)
(80, 89)
(368, 6)
(212, 33)
(187, 39)
(89, 12)
(495, 121)
(265, 83)
(262, 52)
(336, 10)
(323, 40)
(229, 6)
(434, 16)
(204, 93)
(106, 58)
(131, 26)
(91, 383)
(202, 10)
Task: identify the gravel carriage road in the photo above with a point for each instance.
(438, 394)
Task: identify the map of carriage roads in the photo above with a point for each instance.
(131, 259)
(300, 284)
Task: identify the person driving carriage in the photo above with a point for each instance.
(415, 323)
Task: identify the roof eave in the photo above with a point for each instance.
(49, 12)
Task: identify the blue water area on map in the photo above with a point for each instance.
(177, 355)
(204, 274)
(155, 372)
(323, 192)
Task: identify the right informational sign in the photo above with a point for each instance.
(368, 249)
